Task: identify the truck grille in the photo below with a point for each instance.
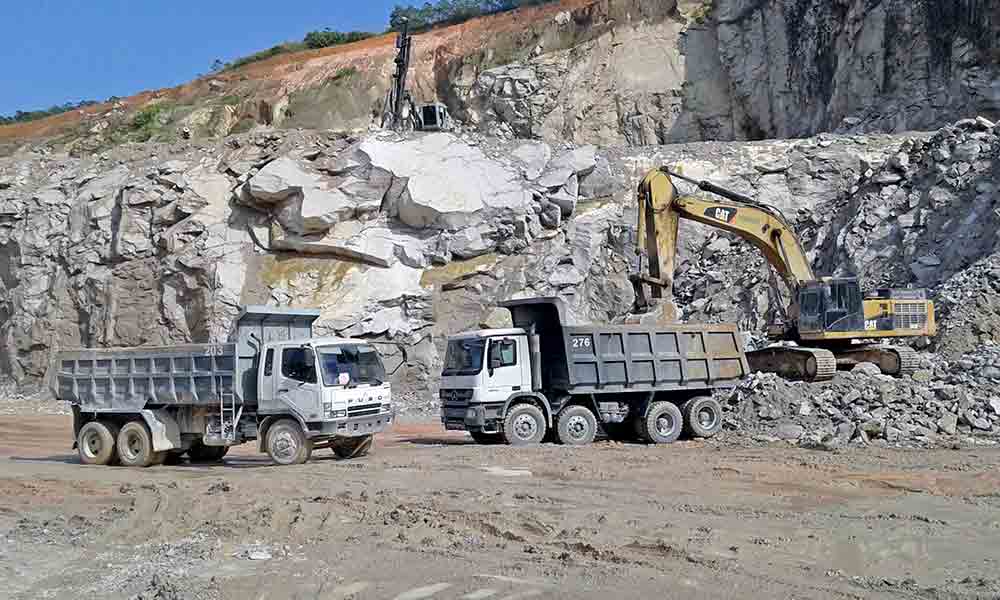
(909, 315)
(455, 398)
(364, 410)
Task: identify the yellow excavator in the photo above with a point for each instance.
(828, 320)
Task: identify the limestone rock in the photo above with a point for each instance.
(450, 184)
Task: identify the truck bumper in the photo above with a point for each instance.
(352, 427)
(472, 417)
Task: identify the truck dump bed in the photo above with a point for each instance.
(126, 379)
(606, 359)
(129, 379)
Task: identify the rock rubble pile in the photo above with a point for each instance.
(944, 403)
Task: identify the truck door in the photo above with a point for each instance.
(503, 375)
(298, 388)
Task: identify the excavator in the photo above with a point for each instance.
(828, 324)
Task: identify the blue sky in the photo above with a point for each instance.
(56, 51)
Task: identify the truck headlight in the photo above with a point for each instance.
(386, 407)
(471, 414)
(338, 414)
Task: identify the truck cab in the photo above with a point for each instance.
(336, 386)
(483, 371)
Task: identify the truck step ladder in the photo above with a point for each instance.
(229, 413)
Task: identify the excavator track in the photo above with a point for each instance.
(793, 362)
(897, 361)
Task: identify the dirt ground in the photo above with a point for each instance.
(430, 515)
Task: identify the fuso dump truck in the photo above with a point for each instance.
(273, 382)
(575, 381)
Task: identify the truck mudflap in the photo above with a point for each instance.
(165, 432)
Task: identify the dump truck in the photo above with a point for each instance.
(273, 382)
(545, 378)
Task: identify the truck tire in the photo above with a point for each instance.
(96, 443)
(576, 426)
(486, 439)
(662, 424)
(135, 446)
(200, 453)
(354, 447)
(287, 444)
(702, 417)
(525, 425)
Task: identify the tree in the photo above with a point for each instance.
(218, 65)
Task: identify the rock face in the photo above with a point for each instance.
(628, 72)
(738, 69)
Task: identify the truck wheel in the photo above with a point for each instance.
(96, 443)
(287, 444)
(354, 447)
(525, 425)
(201, 453)
(702, 417)
(576, 426)
(662, 424)
(486, 439)
(135, 445)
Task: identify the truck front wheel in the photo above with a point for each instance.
(96, 443)
(576, 426)
(662, 424)
(135, 446)
(525, 425)
(287, 444)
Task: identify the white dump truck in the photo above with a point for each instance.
(273, 382)
(545, 376)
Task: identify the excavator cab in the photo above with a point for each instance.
(831, 305)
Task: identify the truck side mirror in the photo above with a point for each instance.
(309, 356)
(495, 362)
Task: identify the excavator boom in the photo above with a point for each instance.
(661, 208)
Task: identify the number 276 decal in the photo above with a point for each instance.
(581, 342)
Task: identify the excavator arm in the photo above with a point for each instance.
(660, 211)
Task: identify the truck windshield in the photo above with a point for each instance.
(350, 364)
(464, 357)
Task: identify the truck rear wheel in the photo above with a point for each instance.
(135, 446)
(353, 447)
(287, 444)
(525, 425)
(702, 417)
(96, 443)
(662, 424)
(576, 426)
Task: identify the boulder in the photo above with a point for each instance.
(279, 180)
(450, 184)
(472, 242)
(866, 368)
(565, 201)
(535, 156)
